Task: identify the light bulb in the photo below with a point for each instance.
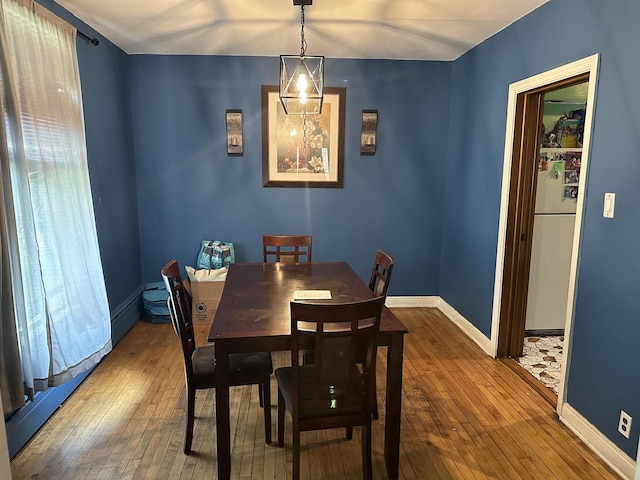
(302, 83)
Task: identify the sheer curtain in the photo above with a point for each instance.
(59, 295)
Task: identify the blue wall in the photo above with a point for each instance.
(190, 190)
(604, 359)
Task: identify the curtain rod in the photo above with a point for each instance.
(93, 41)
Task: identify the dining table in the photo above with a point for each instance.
(254, 315)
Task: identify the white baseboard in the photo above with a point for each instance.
(436, 302)
(412, 302)
(591, 436)
(466, 326)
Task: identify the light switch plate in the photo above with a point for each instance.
(609, 205)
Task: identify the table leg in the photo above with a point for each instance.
(223, 428)
(394, 406)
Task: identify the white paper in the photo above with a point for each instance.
(312, 295)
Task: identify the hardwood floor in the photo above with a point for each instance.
(465, 416)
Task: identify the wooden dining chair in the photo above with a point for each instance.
(286, 248)
(379, 285)
(199, 362)
(334, 391)
(381, 274)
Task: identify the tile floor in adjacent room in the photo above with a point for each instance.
(542, 358)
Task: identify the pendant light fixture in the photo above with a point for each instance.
(301, 77)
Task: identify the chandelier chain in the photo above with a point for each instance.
(303, 49)
(303, 42)
(304, 132)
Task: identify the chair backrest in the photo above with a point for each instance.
(339, 381)
(381, 274)
(179, 303)
(286, 248)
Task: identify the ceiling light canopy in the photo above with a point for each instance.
(301, 76)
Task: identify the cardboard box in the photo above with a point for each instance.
(206, 288)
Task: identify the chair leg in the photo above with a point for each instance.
(265, 387)
(261, 395)
(281, 409)
(188, 434)
(374, 401)
(348, 433)
(367, 466)
(296, 451)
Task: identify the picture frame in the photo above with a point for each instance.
(303, 151)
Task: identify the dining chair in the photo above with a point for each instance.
(379, 285)
(381, 274)
(334, 391)
(286, 248)
(199, 362)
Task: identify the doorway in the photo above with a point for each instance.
(524, 138)
(558, 180)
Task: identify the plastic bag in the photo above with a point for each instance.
(215, 254)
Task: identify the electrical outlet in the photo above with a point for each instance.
(624, 425)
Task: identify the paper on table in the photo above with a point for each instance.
(312, 295)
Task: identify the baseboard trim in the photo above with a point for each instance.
(412, 302)
(125, 315)
(466, 326)
(436, 302)
(624, 465)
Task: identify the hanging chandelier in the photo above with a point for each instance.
(301, 76)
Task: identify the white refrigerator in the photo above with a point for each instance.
(554, 222)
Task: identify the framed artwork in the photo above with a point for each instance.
(303, 151)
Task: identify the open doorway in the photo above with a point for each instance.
(526, 134)
(558, 180)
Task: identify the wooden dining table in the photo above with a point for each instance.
(254, 315)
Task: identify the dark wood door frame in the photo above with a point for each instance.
(520, 216)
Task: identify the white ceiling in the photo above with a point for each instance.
(391, 29)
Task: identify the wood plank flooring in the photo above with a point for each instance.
(465, 416)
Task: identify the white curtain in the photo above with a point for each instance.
(60, 299)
